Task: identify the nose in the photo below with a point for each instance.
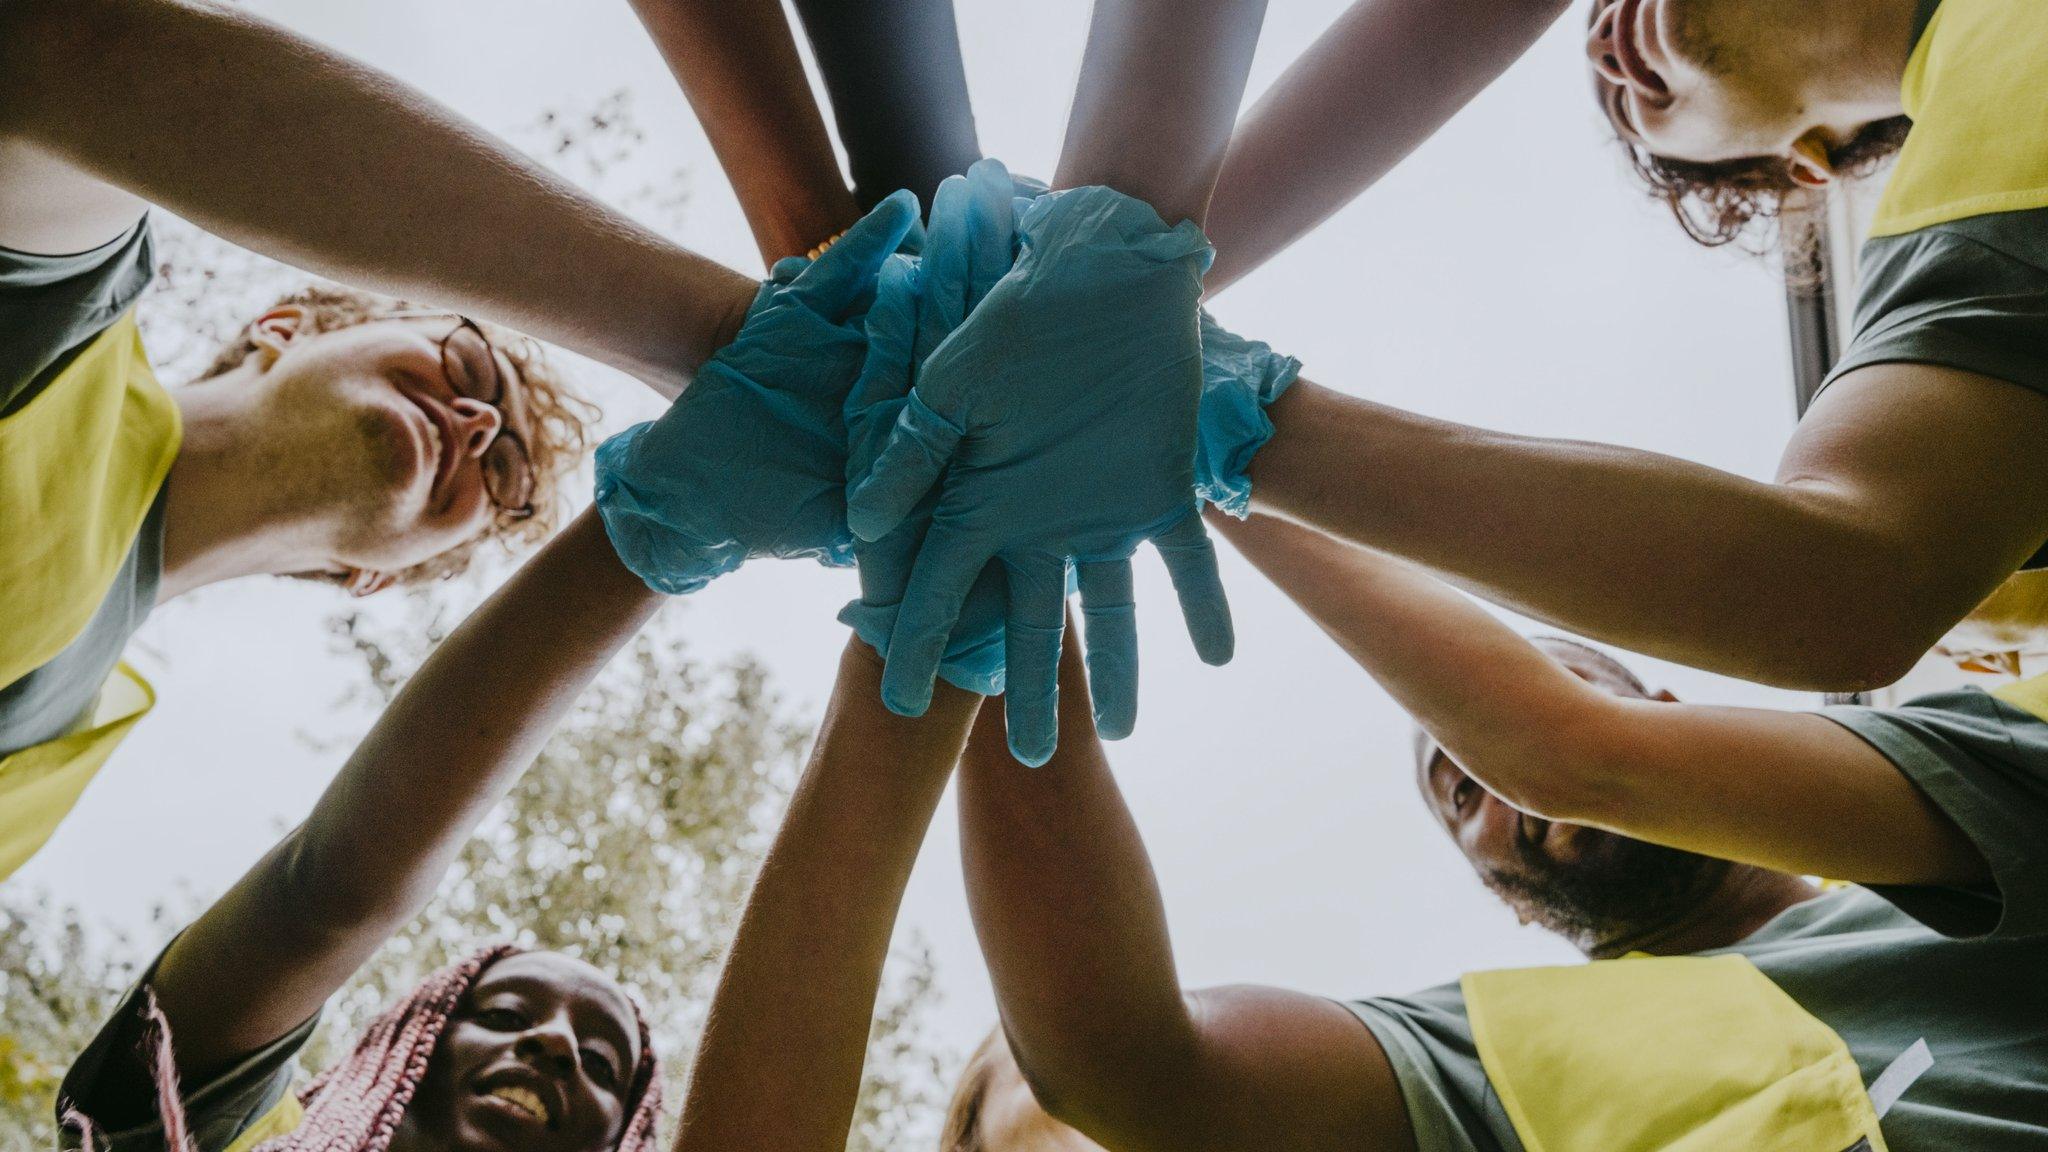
(1600, 49)
(550, 1043)
(476, 424)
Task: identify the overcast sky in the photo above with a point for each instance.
(1507, 275)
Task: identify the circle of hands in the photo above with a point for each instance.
(984, 415)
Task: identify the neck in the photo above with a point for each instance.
(1860, 53)
(1743, 900)
(222, 514)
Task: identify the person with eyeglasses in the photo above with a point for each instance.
(344, 435)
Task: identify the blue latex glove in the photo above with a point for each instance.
(971, 243)
(751, 459)
(1240, 378)
(1065, 408)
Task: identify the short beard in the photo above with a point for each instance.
(1612, 897)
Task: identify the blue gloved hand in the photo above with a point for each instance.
(751, 459)
(1240, 378)
(970, 245)
(1065, 408)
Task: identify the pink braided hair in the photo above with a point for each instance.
(356, 1105)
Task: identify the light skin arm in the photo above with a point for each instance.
(737, 62)
(779, 1066)
(1908, 493)
(302, 154)
(1074, 931)
(1160, 84)
(1381, 81)
(1790, 791)
(270, 952)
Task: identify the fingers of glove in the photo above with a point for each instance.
(1110, 616)
(946, 260)
(1191, 562)
(945, 569)
(1031, 655)
(839, 277)
(885, 372)
(994, 228)
(919, 446)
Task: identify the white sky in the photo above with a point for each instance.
(1507, 275)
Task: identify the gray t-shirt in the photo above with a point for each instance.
(51, 307)
(1964, 969)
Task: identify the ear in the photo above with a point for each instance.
(277, 328)
(1809, 163)
(367, 582)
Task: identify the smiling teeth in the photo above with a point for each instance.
(524, 1100)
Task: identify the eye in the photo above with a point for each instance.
(502, 1019)
(1463, 792)
(601, 1068)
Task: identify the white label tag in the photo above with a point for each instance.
(1892, 1083)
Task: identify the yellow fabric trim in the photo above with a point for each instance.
(2029, 695)
(40, 785)
(1976, 87)
(80, 465)
(1665, 1054)
(279, 1121)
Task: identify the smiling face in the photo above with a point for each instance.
(539, 1056)
(1594, 888)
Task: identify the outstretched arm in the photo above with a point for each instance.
(779, 1066)
(305, 155)
(737, 63)
(1908, 493)
(1160, 84)
(1381, 81)
(1791, 791)
(1075, 936)
(265, 956)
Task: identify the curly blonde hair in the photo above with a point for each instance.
(559, 438)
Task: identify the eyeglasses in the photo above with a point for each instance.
(470, 363)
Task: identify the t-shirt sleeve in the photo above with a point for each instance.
(52, 306)
(217, 1112)
(1428, 1040)
(1984, 762)
(1970, 295)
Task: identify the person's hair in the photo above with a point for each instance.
(560, 421)
(356, 1105)
(1602, 660)
(962, 1130)
(1747, 200)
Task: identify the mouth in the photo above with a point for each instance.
(523, 1102)
(1630, 31)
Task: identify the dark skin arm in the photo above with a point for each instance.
(1071, 922)
(1907, 495)
(299, 923)
(738, 65)
(1790, 791)
(213, 113)
(779, 1066)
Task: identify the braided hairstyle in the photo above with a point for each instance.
(356, 1106)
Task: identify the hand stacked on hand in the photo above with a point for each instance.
(1006, 416)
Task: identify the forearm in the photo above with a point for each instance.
(1797, 584)
(1160, 85)
(1071, 922)
(898, 89)
(1381, 81)
(779, 1066)
(460, 734)
(285, 147)
(737, 63)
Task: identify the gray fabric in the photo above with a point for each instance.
(59, 697)
(1969, 294)
(104, 1085)
(1985, 763)
(1861, 965)
(51, 306)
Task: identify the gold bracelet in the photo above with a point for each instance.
(829, 241)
